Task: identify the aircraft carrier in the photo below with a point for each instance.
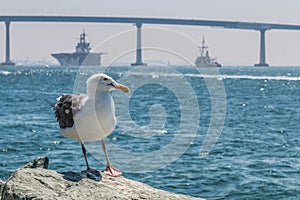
(81, 56)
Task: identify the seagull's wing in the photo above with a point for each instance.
(66, 107)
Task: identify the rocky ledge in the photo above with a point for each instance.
(35, 181)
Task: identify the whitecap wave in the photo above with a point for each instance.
(5, 72)
(279, 78)
(156, 131)
(224, 76)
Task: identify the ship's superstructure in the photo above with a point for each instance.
(81, 56)
(204, 59)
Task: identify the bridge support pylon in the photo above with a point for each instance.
(7, 46)
(262, 57)
(139, 46)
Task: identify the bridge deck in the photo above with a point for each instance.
(134, 20)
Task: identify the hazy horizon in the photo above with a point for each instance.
(165, 43)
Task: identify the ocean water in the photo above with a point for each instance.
(256, 155)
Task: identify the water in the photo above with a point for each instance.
(257, 155)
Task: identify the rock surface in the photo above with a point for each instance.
(1, 183)
(34, 181)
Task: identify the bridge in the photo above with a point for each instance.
(261, 27)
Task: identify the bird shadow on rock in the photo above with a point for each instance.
(77, 176)
(43, 162)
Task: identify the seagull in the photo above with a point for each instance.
(90, 117)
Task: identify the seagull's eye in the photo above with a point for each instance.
(106, 79)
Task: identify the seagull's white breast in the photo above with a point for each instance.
(95, 121)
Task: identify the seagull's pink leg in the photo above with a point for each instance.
(110, 170)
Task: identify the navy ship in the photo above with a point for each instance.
(204, 60)
(81, 56)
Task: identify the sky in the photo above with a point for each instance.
(162, 43)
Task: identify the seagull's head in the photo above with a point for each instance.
(104, 83)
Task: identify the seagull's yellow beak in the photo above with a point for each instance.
(122, 88)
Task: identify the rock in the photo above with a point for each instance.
(43, 184)
(1, 184)
(40, 162)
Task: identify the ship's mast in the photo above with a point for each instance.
(203, 47)
(82, 37)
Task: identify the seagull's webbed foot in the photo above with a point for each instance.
(112, 171)
(91, 174)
